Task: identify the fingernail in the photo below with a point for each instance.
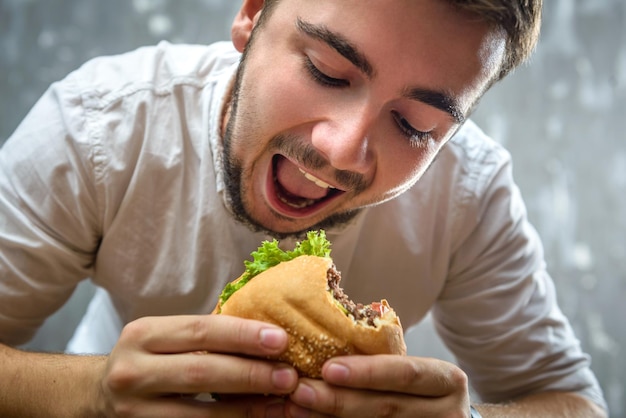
(304, 395)
(337, 372)
(272, 338)
(284, 378)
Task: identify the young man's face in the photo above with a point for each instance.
(344, 104)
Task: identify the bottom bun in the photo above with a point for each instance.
(295, 296)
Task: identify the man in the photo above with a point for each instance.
(157, 172)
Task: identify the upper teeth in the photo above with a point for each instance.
(315, 180)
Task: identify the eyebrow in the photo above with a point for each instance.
(348, 50)
(338, 43)
(439, 100)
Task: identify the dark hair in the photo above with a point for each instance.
(520, 20)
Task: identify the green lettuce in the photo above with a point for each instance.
(269, 254)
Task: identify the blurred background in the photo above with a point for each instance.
(563, 117)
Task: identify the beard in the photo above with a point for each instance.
(235, 184)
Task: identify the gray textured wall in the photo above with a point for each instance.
(563, 118)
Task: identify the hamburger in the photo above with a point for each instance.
(299, 291)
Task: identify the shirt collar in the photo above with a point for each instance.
(218, 101)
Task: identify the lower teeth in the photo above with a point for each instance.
(300, 204)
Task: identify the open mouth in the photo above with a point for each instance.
(297, 192)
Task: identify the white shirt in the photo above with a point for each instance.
(115, 176)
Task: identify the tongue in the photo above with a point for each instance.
(294, 182)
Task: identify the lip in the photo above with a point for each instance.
(282, 208)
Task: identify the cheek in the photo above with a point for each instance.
(284, 98)
(403, 168)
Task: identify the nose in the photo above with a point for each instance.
(345, 139)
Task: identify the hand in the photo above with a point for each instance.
(159, 364)
(383, 386)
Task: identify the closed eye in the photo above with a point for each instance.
(321, 78)
(416, 138)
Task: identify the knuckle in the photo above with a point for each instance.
(451, 379)
(387, 408)
(458, 378)
(241, 331)
(256, 376)
(195, 375)
(122, 376)
(235, 329)
(197, 329)
(410, 375)
(338, 405)
(125, 409)
(135, 330)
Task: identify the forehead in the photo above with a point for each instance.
(428, 43)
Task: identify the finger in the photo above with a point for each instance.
(211, 373)
(316, 398)
(248, 407)
(215, 333)
(402, 374)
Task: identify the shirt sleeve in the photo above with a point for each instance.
(48, 212)
(498, 312)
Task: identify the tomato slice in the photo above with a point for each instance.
(379, 307)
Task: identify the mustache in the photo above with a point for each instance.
(309, 157)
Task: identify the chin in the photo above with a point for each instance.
(283, 227)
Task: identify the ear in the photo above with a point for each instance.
(244, 22)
